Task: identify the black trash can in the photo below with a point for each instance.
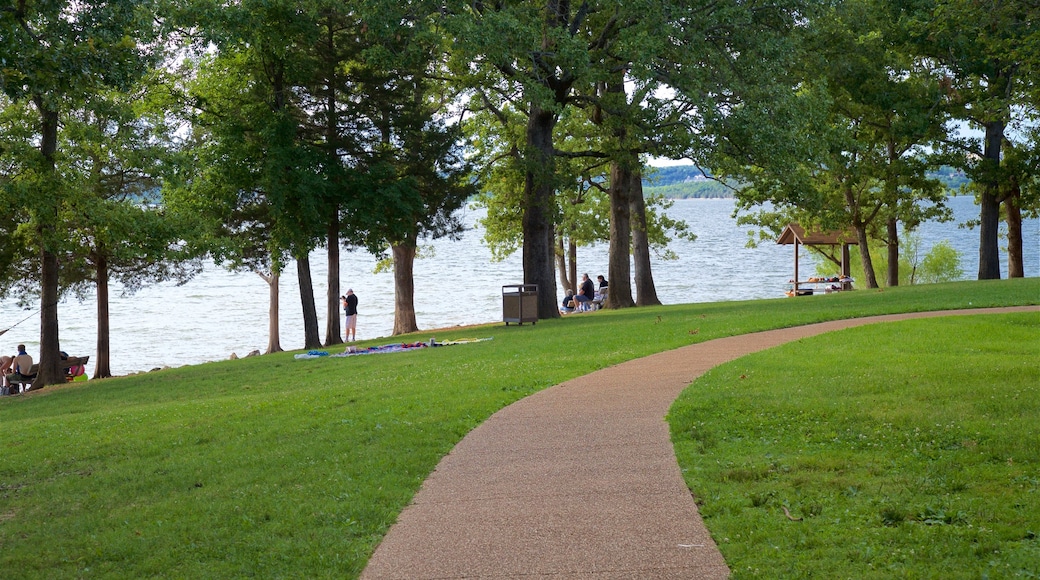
(520, 303)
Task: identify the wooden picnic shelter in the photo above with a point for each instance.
(796, 234)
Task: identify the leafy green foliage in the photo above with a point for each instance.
(987, 55)
(67, 68)
(858, 158)
(942, 263)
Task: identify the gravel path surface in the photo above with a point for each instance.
(577, 481)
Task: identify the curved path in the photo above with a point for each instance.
(577, 481)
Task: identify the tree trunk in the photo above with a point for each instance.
(893, 252)
(561, 264)
(310, 312)
(572, 263)
(619, 272)
(1016, 260)
(333, 333)
(989, 204)
(103, 362)
(404, 288)
(274, 343)
(539, 193)
(50, 371)
(646, 292)
(864, 254)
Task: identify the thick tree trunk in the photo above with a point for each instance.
(619, 272)
(274, 343)
(864, 254)
(404, 288)
(1016, 260)
(103, 361)
(989, 204)
(333, 333)
(989, 227)
(50, 371)
(539, 193)
(646, 292)
(893, 252)
(310, 312)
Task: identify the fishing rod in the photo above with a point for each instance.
(37, 311)
(2, 332)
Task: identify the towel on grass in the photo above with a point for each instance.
(387, 348)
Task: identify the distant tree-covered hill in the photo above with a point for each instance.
(706, 188)
(953, 178)
(687, 181)
(671, 175)
(682, 182)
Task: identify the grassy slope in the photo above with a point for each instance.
(274, 467)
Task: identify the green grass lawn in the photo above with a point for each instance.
(273, 467)
(903, 450)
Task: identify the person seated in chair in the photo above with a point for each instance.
(601, 291)
(21, 367)
(583, 299)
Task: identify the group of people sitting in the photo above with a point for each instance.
(589, 296)
(19, 370)
(15, 369)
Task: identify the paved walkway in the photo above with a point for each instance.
(576, 481)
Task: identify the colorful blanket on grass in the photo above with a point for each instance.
(387, 348)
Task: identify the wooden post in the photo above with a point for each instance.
(796, 266)
(845, 266)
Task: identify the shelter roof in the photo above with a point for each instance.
(795, 232)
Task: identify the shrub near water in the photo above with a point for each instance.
(898, 450)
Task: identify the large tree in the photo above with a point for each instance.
(119, 229)
(56, 56)
(988, 54)
(262, 168)
(648, 74)
(873, 118)
(409, 146)
(338, 45)
(532, 53)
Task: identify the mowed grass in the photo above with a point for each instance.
(272, 467)
(902, 450)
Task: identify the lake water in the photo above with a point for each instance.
(219, 313)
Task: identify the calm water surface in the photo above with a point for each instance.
(219, 313)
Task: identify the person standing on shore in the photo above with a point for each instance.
(350, 310)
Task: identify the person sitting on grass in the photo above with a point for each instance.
(567, 305)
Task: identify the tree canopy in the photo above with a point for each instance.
(258, 131)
